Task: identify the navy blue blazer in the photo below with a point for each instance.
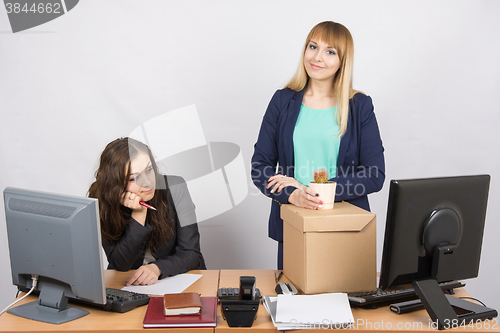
(360, 165)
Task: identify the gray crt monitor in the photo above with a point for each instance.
(58, 238)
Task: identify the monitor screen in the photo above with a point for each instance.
(434, 229)
(56, 237)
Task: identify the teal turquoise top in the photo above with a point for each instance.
(316, 143)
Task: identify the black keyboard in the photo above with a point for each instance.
(369, 298)
(116, 300)
(123, 301)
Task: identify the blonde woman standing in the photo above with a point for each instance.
(318, 121)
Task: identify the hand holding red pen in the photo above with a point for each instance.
(133, 201)
(139, 207)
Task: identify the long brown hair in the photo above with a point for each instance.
(111, 180)
(339, 37)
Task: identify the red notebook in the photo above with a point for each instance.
(155, 318)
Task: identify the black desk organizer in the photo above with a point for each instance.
(239, 313)
(243, 311)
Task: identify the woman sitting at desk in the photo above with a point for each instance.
(158, 241)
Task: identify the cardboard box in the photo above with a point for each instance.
(329, 250)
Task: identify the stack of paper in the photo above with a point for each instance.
(309, 311)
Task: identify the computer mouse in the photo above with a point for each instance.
(286, 288)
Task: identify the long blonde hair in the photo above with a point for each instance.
(337, 36)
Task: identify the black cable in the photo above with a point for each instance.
(277, 278)
(474, 299)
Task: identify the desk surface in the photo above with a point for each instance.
(107, 321)
(366, 320)
(381, 319)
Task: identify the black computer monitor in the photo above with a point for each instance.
(56, 237)
(434, 233)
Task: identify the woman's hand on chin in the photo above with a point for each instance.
(131, 200)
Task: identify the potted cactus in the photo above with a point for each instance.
(324, 187)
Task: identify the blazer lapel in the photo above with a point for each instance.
(344, 141)
(292, 116)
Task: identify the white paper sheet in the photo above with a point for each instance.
(170, 285)
(323, 309)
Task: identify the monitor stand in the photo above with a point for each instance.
(52, 307)
(441, 307)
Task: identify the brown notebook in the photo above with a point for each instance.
(181, 304)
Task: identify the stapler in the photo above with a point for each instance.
(286, 288)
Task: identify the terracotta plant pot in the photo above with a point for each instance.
(326, 193)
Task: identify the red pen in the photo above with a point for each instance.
(146, 205)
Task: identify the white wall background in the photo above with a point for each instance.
(70, 86)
